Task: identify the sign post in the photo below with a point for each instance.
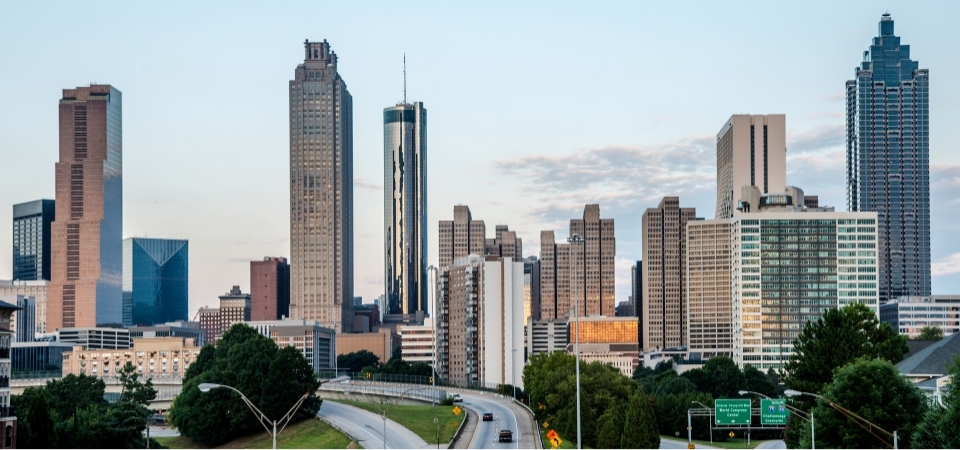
(732, 411)
(774, 411)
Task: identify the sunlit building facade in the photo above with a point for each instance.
(155, 281)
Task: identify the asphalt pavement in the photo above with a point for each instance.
(487, 434)
(773, 444)
(367, 427)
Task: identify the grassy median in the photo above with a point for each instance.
(309, 433)
(419, 418)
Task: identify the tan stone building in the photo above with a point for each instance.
(463, 236)
(379, 343)
(585, 269)
(709, 288)
(751, 151)
(664, 238)
(153, 357)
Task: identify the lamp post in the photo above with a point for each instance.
(813, 444)
(264, 420)
(863, 423)
(433, 379)
(577, 239)
(711, 419)
(383, 414)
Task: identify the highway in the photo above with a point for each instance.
(488, 433)
(367, 427)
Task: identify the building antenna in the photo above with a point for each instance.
(404, 78)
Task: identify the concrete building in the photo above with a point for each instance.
(531, 288)
(751, 151)
(96, 337)
(316, 343)
(181, 329)
(908, 315)
(8, 418)
(366, 317)
(162, 357)
(86, 241)
(209, 319)
(380, 343)
(888, 159)
(417, 343)
(10, 290)
(708, 290)
(546, 336)
(39, 356)
(610, 340)
(155, 281)
(791, 264)
(321, 191)
(32, 223)
(663, 292)
(269, 289)
(461, 237)
(405, 207)
(24, 324)
(582, 269)
(505, 244)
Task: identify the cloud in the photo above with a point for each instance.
(816, 139)
(364, 184)
(834, 97)
(946, 266)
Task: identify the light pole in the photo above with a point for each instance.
(433, 379)
(711, 419)
(863, 423)
(577, 239)
(383, 414)
(336, 365)
(813, 444)
(264, 420)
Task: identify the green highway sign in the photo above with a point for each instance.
(732, 411)
(773, 411)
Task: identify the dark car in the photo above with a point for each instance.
(506, 436)
(487, 416)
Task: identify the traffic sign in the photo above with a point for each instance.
(552, 434)
(456, 410)
(691, 446)
(773, 411)
(556, 442)
(546, 424)
(732, 411)
(732, 434)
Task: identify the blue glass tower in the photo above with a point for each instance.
(888, 162)
(154, 281)
(31, 239)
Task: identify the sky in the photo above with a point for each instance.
(535, 109)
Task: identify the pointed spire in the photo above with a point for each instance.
(404, 78)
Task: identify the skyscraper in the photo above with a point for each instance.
(751, 151)
(321, 191)
(269, 289)
(87, 272)
(662, 305)
(405, 208)
(31, 239)
(155, 281)
(708, 287)
(461, 237)
(888, 160)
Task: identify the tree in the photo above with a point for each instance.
(132, 389)
(757, 381)
(939, 424)
(35, 425)
(930, 333)
(874, 390)
(727, 378)
(639, 429)
(675, 385)
(356, 361)
(70, 393)
(839, 337)
(610, 427)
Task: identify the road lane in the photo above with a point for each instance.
(487, 434)
(367, 427)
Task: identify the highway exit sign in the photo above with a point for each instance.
(732, 411)
(773, 412)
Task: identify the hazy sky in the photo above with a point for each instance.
(535, 109)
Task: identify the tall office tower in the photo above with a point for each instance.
(31, 239)
(531, 288)
(269, 289)
(405, 208)
(636, 291)
(751, 151)
(321, 191)
(86, 278)
(25, 320)
(461, 236)
(708, 288)
(506, 244)
(155, 281)
(584, 269)
(888, 160)
(664, 238)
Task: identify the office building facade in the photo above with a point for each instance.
(155, 281)
(909, 315)
(269, 289)
(8, 418)
(37, 290)
(460, 237)
(405, 207)
(531, 288)
(32, 224)
(662, 302)
(751, 151)
(888, 159)
(156, 358)
(708, 302)
(321, 191)
(87, 274)
(317, 344)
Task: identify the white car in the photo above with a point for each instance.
(457, 398)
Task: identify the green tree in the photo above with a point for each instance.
(939, 424)
(874, 390)
(671, 413)
(675, 385)
(356, 361)
(70, 393)
(757, 381)
(35, 425)
(610, 427)
(132, 389)
(930, 333)
(640, 429)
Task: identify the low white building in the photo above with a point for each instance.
(417, 342)
(316, 343)
(908, 315)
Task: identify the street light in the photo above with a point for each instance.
(383, 414)
(689, 426)
(813, 444)
(863, 423)
(264, 420)
(433, 379)
(577, 239)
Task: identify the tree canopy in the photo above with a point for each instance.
(356, 361)
(930, 333)
(940, 423)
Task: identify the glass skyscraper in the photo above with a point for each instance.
(888, 160)
(31, 240)
(405, 208)
(155, 288)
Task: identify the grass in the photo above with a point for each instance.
(546, 442)
(735, 443)
(419, 419)
(309, 433)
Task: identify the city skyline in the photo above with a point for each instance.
(530, 155)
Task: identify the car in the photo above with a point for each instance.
(487, 416)
(457, 398)
(506, 436)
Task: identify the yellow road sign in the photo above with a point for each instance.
(456, 410)
(556, 442)
(546, 424)
(691, 446)
(453, 424)
(731, 434)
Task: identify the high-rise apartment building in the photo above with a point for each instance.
(269, 289)
(708, 302)
(234, 308)
(86, 278)
(751, 151)
(321, 191)
(583, 267)
(888, 159)
(31, 239)
(405, 208)
(662, 308)
(505, 244)
(155, 281)
(11, 290)
(461, 237)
